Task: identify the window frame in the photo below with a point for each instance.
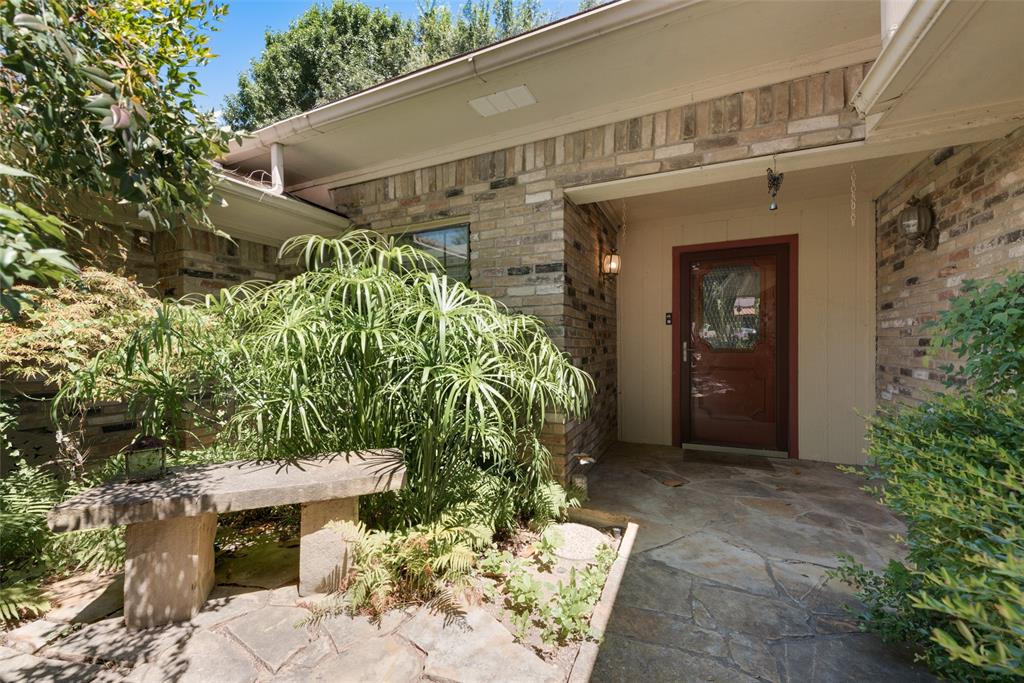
(399, 232)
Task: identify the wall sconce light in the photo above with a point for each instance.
(917, 224)
(611, 263)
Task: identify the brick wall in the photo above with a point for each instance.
(977, 194)
(590, 326)
(536, 252)
(190, 262)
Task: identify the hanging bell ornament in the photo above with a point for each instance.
(774, 183)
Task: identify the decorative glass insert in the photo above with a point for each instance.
(449, 245)
(731, 307)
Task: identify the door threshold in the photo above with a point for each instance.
(735, 449)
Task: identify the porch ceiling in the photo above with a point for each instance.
(872, 177)
(606, 66)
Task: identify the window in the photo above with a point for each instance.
(449, 245)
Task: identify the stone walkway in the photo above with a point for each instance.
(727, 577)
(258, 632)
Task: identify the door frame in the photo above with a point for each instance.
(791, 242)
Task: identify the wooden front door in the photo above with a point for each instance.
(734, 356)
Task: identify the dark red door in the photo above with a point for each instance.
(734, 354)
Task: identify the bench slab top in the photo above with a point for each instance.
(231, 486)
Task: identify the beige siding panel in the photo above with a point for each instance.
(835, 300)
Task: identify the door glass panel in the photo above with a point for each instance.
(730, 310)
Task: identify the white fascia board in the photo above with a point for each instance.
(557, 35)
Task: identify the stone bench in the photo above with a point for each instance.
(171, 522)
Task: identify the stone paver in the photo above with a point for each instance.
(271, 633)
(206, 658)
(110, 641)
(85, 598)
(579, 542)
(21, 667)
(34, 635)
(474, 648)
(346, 631)
(727, 581)
(379, 659)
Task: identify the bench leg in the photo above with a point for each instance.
(324, 556)
(168, 569)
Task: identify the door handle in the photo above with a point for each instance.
(686, 352)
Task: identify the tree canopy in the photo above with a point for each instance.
(100, 123)
(332, 51)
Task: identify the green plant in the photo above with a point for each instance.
(31, 250)
(100, 110)
(953, 468)
(567, 616)
(365, 349)
(984, 328)
(70, 323)
(418, 565)
(546, 547)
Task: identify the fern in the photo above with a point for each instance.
(21, 600)
(421, 565)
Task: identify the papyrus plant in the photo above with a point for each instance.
(368, 347)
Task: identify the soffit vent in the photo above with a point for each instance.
(503, 101)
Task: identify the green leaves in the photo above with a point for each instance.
(366, 349)
(984, 329)
(954, 470)
(100, 109)
(26, 254)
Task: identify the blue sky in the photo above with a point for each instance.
(240, 37)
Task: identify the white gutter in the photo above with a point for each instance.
(902, 61)
(308, 213)
(571, 30)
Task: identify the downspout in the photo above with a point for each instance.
(276, 168)
(893, 12)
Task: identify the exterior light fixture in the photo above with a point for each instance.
(774, 183)
(611, 264)
(916, 222)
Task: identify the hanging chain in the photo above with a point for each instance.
(853, 198)
(620, 241)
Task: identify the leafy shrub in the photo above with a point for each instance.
(984, 328)
(69, 324)
(367, 348)
(953, 468)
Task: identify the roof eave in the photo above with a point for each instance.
(554, 36)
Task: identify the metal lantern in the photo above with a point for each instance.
(145, 459)
(916, 222)
(611, 264)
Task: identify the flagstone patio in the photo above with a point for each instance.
(727, 577)
(726, 582)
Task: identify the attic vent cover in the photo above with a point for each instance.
(503, 101)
